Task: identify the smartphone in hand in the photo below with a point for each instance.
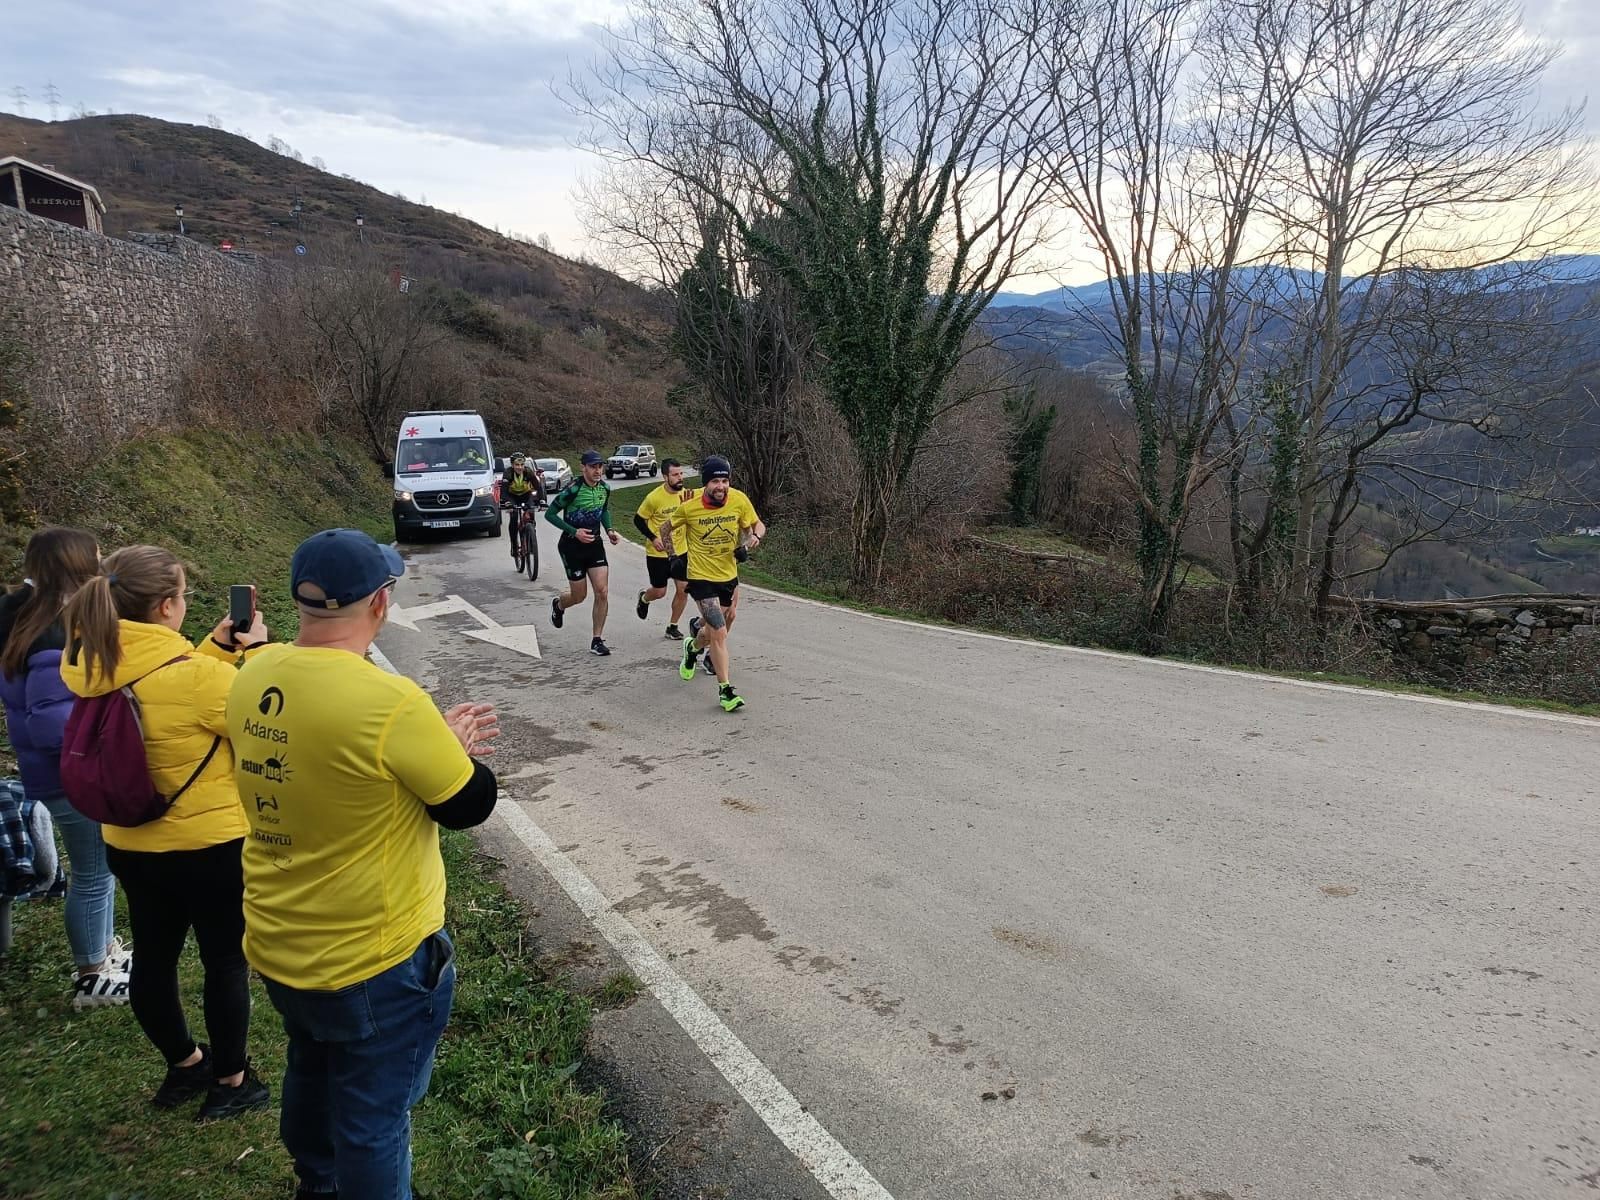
(242, 607)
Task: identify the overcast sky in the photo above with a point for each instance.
(448, 99)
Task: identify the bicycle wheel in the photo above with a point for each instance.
(518, 553)
(530, 551)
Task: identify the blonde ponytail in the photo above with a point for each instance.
(132, 583)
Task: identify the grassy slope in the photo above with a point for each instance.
(502, 1121)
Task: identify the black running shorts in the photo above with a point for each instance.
(579, 558)
(663, 569)
(722, 593)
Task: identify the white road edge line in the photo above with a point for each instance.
(1200, 668)
(834, 1167)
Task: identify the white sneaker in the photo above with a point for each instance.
(118, 956)
(101, 989)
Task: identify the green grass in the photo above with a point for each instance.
(503, 1119)
(619, 991)
(233, 508)
(1570, 544)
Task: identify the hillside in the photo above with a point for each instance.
(592, 367)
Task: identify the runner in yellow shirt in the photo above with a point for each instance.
(654, 520)
(715, 530)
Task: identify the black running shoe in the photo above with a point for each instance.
(223, 1101)
(643, 607)
(598, 646)
(674, 634)
(694, 626)
(730, 700)
(555, 611)
(184, 1083)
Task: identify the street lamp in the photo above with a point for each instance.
(178, 208)
(295, 212)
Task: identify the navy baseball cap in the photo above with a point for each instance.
(716, 467)
(346, 564)
(591, 458)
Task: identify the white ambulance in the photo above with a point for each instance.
(444, 472)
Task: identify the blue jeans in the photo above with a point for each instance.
(359, 1058)
(91, 889)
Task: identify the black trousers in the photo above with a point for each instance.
(170, 893)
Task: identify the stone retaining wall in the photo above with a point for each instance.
(111, 323)
(1438, 634)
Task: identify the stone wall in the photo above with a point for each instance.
(112, 323)
(1458, 635)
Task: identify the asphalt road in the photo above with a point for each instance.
(1198, 934)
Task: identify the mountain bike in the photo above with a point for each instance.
(524, 542)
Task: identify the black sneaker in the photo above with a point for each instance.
(694, 626)
(729, 699)
(223, 1101)
(642, 608)
(555, 611)
(184, 1083)
(598, 646)
(674, 634)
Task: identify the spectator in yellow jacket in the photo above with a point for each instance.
(182, 871)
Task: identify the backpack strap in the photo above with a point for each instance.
(204, 763)
(216, 739)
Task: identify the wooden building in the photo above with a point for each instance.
(48, 193)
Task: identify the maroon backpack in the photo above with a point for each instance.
(104, 771)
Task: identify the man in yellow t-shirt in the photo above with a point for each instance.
(715, 530)
(654, 520)
(346, 773)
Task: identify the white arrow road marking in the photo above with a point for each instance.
(523, 639)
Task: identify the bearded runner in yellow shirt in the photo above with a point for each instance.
(654, 520)
(715, 530)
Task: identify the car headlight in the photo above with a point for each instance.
(486, 491)
(402, 495)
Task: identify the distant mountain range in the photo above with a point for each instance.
(1568, 268)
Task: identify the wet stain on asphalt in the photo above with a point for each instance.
(955, 1045)
(739, 805)
(1116, 1139)
(1032, 944)
(801, 961)
(1530, 976)
(682, 890)
(873, 999)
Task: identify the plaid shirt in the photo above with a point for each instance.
(16, 846)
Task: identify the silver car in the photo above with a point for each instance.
(555, 473)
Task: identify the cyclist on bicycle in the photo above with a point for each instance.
(522, 485)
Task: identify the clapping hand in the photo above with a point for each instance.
(475, 726)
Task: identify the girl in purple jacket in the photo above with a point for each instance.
(37, 704)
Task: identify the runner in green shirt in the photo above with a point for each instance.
(582, 511)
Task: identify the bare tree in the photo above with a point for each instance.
(1410, 146)
(1167, 140)
(374, 341)
(898, 141)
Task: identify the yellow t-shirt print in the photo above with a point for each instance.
(337, 762)
(711, 534)
(657, 509)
